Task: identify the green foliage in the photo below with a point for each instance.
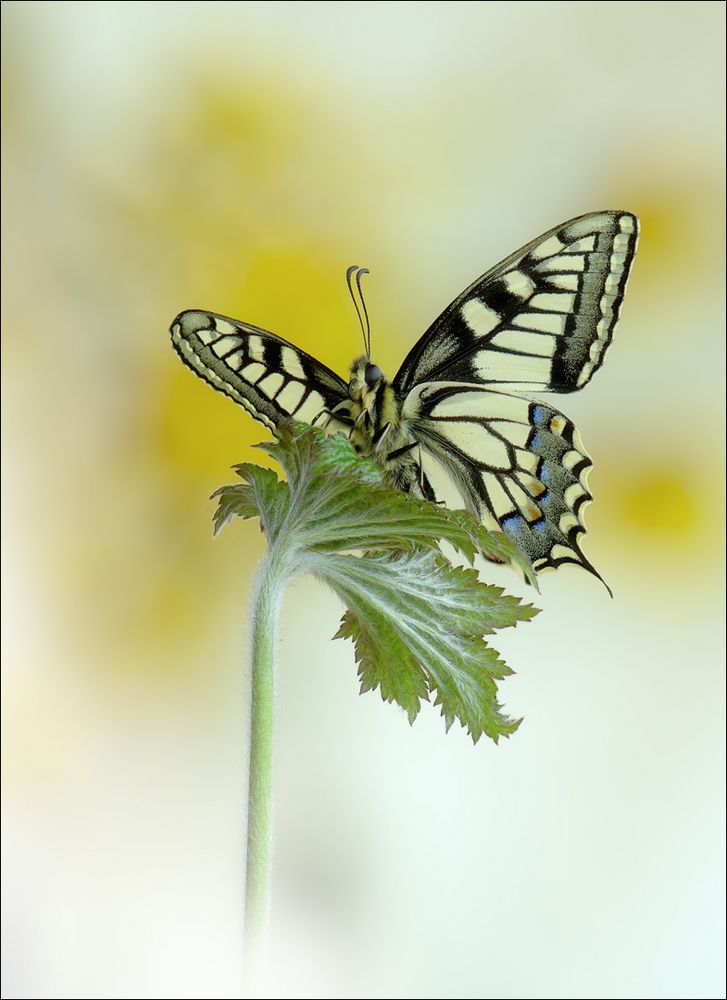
(417, 621)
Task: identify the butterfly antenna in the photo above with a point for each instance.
(365, 328)
(349, 274)
(367, 336)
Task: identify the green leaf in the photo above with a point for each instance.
(417, 625)
(261, 495)
(417, 621)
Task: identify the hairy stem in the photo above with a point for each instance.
(265, 612)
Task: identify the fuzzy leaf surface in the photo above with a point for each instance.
(417, 624)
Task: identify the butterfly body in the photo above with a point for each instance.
(458, 423)
(376, 427)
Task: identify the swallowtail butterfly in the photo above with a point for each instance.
(456, 423)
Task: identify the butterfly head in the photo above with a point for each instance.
(373, 408)
(366, 381)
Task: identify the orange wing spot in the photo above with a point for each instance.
(533, 513)
(534, 487)
(557, 425)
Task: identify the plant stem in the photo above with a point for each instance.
(265, 611)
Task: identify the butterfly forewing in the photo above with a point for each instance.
(271, 378)
(542, 319)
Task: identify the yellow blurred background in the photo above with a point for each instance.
(237, 157)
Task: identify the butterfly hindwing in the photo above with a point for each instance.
(269, 377)
(541, 320)
(516, 464)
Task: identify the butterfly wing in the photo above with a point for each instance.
(517, 465)
(541, 320)
(272, 379)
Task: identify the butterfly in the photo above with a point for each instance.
(457, 423)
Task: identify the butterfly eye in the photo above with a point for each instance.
(372, 374)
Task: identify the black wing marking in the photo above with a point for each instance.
(271, 378)
(540, 320)
(517, 465)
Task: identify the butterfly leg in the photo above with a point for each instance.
(409, 476)
(398, 452)
(332, 415)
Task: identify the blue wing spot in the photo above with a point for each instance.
(538, 415)
(544, 474)
(545, 501)
(541, 526)
(512, 523)
(534, 444)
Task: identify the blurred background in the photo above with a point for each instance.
(238, 157)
